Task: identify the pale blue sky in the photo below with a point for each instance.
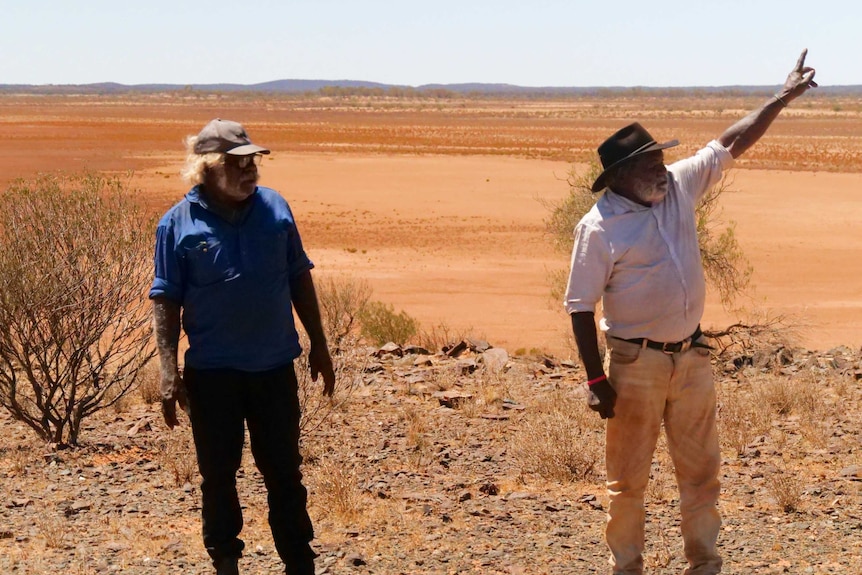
(526, 42)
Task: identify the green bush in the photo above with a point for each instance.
(380, 324)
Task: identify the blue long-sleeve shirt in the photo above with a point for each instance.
(232, 280)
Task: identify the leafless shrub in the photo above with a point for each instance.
(342, 299)
(661, 557)
(662, 484)
(316, 408)
(440, 336)
(560, 439)
(74, 268)
(417, 437)
(757, 331)
(725, 266)
(786, 488)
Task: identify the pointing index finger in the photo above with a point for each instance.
(801, 62)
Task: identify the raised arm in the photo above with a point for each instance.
(744, 133)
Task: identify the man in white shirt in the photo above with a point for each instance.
(637, 252)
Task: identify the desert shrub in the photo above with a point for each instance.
(560, 439)
(756, 332)
(75, 263)
(380, 324)
(341, 299)
(724, 263)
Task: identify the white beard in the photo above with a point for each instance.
(653, 194)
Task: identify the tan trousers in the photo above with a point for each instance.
(654, 387)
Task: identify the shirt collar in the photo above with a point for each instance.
(621, 204)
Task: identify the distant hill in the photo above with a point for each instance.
(345, 87)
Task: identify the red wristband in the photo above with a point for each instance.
(602, 377)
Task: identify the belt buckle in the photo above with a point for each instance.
(686, 345)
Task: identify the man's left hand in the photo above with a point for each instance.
(320, 363)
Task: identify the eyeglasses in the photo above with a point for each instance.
(242, 162)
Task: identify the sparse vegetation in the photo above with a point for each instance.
(177, 456)
(74, 268)
(560, 439)
(338, 491)
(380, 324)
(342, 301)
(785, 487)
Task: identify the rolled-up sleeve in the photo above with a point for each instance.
(168, 280)
(590, 270)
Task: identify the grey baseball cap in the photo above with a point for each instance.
(226, 137)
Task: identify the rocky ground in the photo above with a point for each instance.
(469, 461)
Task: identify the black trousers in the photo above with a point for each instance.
(221, 401)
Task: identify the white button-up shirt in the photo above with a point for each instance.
(643, 263)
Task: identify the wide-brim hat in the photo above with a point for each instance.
(226, 137)
(625, 144)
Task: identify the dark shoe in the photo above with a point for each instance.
(227, 566)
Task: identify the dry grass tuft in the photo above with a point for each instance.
(52, 528)
(740, 419)
(337, 491)
(786, 488)
(178, 457)
(420, 447)
(560, 439)
(149, 383)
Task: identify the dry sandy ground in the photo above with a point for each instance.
(460, 241)
(439, 203)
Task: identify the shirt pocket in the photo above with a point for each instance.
(209, 263)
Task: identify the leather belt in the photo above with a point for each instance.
(670, 348)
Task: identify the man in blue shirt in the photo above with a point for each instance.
(229, 262)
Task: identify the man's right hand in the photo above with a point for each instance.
(601, 397)
(173, 390)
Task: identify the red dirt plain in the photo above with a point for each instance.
(440, 203)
